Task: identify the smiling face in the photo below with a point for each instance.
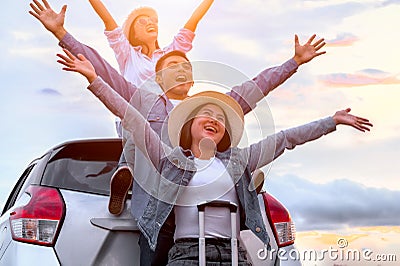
(144, 29)
(175, 77)
(209, 123)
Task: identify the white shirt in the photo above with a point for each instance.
(210, 182)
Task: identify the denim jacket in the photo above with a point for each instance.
(179, 169)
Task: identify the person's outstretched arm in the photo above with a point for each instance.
(104, 14)
(270, 148)
(78, 64)
(198, 14)
(250, 92)
(81, 65)
(52, 21)
(143, 135)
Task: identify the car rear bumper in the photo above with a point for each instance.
(288, 256)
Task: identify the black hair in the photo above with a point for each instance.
(169, 54)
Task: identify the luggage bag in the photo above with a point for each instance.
(202, 241)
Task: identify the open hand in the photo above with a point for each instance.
(77, 64)
(305, 53)
(344, 117)
(52, 21)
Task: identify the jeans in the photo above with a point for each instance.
(165, 241)
(185, 252)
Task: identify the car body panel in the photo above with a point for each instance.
(287, 257)
(81, 241)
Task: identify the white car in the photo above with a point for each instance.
(57, 214)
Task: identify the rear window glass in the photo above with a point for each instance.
(84, 167)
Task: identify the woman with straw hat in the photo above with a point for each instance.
(204, 163)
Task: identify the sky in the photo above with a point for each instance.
(338, 184)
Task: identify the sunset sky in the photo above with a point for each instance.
(342, 185)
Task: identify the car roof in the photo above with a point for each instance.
(78, 141)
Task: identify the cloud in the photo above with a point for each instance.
(252, 47)
(361, 78)
(50, 92)
(343, 39)
(337, 204)
(389, 2)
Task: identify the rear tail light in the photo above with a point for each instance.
(278, 215)
(39, 221)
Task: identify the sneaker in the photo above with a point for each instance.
(120, 183)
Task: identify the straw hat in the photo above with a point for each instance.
(233, 112)
(140, 11)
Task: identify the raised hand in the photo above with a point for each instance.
(198, 14)
(305, 53)
(77, 64)
(344, 117)
(52, 21)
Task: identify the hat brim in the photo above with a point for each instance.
(180, 114)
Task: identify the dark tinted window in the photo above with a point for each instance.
(83, 166)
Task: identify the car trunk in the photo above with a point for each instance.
(90, 235)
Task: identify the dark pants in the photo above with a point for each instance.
(165, 241)
(185, 252)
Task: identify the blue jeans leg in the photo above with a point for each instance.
(159, 257)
